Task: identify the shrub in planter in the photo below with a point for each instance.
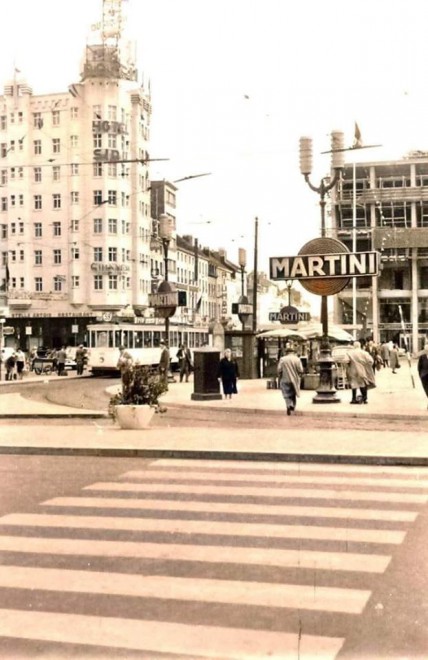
(140, 387)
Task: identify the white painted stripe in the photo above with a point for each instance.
(162, 637)
(218, 554)
(233, 507)
(349, 534)
(285, 466)
(329, 599)
(148, 475)
(283, 492)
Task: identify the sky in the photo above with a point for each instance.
(235, 84)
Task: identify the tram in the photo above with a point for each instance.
(143, 342)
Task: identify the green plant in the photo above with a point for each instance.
(140, 386)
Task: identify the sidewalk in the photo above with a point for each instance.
(394, 398)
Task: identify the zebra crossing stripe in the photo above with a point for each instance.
(180, 526)
(278, 478)
(217, 554)
(286, 467)
(163, 637)
(283, 492)
(232, 507)
(294, 596)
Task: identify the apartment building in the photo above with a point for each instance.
(384, 207)
(75, 220)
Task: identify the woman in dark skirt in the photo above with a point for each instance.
(228, 373)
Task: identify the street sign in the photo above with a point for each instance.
(242, 308)
(8, 330)
(167, 299)
(289, 315)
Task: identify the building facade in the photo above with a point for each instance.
(384, 207)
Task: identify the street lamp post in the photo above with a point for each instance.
(327, 391)
(243, 300)
(166, 229)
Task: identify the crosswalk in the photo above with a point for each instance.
(204, 559)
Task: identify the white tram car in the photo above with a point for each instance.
(143, 342)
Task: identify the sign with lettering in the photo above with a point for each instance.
(167, 299)
(289, 315)
(242, 308)
(315, 266)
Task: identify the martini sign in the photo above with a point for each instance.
(324, 266)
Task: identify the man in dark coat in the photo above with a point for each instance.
(423, 368)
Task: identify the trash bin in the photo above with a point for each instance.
(205, 383)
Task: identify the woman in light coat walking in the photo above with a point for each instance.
(290, 372)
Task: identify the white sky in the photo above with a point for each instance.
(307, 67)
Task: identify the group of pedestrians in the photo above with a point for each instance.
(15, 365)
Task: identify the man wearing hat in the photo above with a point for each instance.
(290, 372)
(164, 362)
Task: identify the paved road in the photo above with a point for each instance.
(219, 560)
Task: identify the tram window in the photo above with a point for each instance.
(138, 339)
(110, 339)
(174, 338)
(147, 338)
(118, 338)
(129, 338)
(100, 339)
(156, 338)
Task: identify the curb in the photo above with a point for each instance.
(119, 452)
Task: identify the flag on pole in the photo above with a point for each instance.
(358, 143)
(198, 304)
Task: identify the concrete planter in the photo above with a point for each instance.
(134, 417)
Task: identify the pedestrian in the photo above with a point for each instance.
(384, 353)
(290, 372)
(423, 368)
(124, 364)
(185, 362)
(360, 372)
(61, 357)
(228, 374)
(20, 363)
(393, 358)
(80, 359)
(164, 362)
(32, 357)
(10, 367)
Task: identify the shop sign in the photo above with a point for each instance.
(167, 299)
(324, 266)
(109, 267)
(289, 315)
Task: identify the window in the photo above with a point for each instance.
(21, 227)
(38, 258)
(12, 255)
(3, 231)
(56, 145)
(75, 281)
(3, 123)
(21, 200)
(112, 112)
(12, 200)
(74, 197)
(74, 112)
(21, 144)
(13, 227)
(38, 284)
(112, 254)
(112, 282)
(112, 197)
(22, 283)
(3, 177)
(112, 169)
(56, 172)
(74, 169)
(75, 254)
(57, 257)
(21, 255)
(97, 169)
(56, 199)
(98, 254)
(55, 118)
(37, 174)
(56, 228)
(98, 141)
(13, 282)
(38, 229)
(111, 141)
(74, 141)
(37, 147)
(3, 204)
(37, 202)
(112, 225)
(3, 150)
(98, 226)
(74, 225)
(57, 282)
(398, 276)
(97, 111)
(37, 119)
(98, 282)
(98, 197)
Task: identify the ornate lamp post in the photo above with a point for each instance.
(166, 228)
(243, 300)
(326, 392)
